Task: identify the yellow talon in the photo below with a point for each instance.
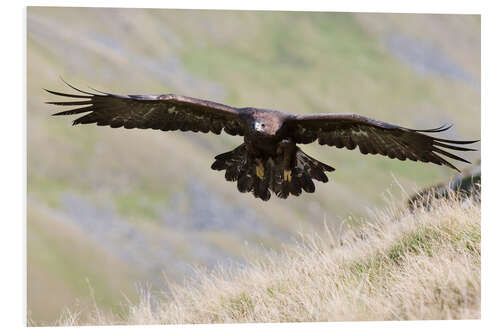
(259, 170)
(287, 175)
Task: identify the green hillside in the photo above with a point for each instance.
(109, 208)
(401, 265)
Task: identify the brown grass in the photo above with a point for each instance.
(399, 266)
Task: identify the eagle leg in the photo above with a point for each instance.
(298, 170)
(287, 149)
(259, 169)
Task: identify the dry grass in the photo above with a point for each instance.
(400, 266)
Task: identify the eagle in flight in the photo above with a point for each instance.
(269, 158)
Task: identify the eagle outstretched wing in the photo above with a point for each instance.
(164, 112)
(375, 137)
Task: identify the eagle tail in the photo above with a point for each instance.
(261, 177)
(243, 170)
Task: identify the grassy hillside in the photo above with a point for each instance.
(399, 266)
(142, 203)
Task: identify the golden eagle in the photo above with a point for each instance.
(269, 159)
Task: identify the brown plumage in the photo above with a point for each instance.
(269, 159)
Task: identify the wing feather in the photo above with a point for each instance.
(163, 112)
(375, 137)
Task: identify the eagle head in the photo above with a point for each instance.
(265, 127)
(267, 124)
(259, 126)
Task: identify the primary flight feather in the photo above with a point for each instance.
(269, 159)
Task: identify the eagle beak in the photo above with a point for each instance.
(259, 127)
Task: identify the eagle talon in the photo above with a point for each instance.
(287, 175)
(259, 170)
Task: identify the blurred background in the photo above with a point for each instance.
(111, 209)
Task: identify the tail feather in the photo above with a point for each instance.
(245, 182)
(232, 173)
(313, 167)
(262, 186)
(307, 183)
(242, 169)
